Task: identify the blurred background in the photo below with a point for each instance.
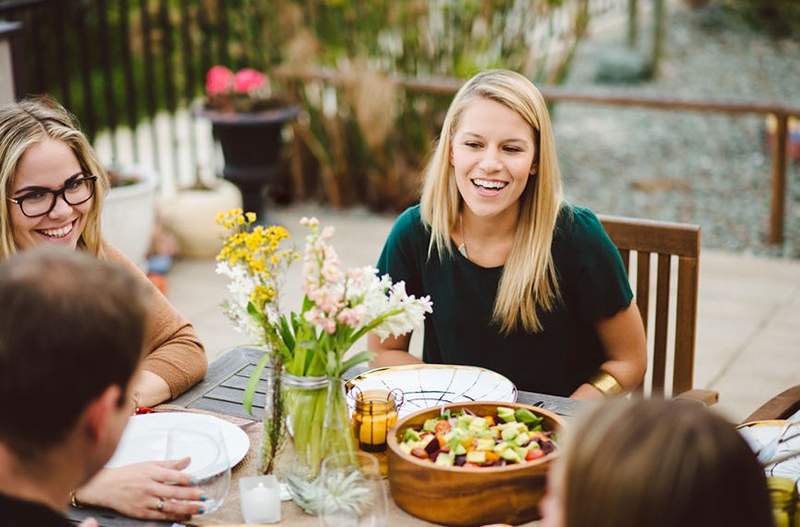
(679, 110)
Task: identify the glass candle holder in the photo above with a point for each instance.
(375, 414)
(260, 499)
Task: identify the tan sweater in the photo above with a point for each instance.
(174, 352)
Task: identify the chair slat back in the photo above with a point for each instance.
(667, 241)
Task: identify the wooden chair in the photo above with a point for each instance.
(666, 240)
(783, 405)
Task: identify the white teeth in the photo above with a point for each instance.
(485, 183)
(57, 233)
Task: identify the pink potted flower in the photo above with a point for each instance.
(247, 120)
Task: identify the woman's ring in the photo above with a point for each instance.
(160, 506)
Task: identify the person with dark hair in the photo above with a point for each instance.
(52, 189)
(655, 463)
(71, 338)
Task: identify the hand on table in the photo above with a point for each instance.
(155, 490)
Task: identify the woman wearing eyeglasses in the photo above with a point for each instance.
(51, 191)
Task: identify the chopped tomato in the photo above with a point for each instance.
(489, 420)
(534, 453)
(420, 453)
(441, 439)
(442, 427)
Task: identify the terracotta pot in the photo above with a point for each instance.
(189, 214)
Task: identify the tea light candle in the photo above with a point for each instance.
(260, 499)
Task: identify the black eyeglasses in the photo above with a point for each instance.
(76, 190)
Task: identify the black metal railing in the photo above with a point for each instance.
(117, 63)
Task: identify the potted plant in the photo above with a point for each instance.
(129, 211)
(247, 121)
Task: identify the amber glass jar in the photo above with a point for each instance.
(375, 414)
(783, 493)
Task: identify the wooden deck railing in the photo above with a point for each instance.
(558, 94)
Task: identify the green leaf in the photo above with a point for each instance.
(286, 334)
(358, 358)
(252, 384)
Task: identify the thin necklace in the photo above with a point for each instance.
(462, 248)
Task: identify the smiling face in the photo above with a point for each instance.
(47, 165)
(492, 154)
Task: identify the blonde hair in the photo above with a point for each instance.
(660, 464)
(529, 282)
(32, 121)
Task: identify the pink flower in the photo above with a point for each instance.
(219, 80)
(248, 80)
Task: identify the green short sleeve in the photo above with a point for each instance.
(400, 255)
(593, 271)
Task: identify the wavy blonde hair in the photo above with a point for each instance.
(529, 282)
(32, 121)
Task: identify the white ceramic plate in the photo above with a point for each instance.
(145, 438)
(759, 433)
(428, 385)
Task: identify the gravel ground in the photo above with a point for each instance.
(709, 169)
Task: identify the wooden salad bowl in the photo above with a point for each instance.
(468, 495)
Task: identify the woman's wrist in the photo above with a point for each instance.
(605, 383)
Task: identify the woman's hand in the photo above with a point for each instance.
(155, 490)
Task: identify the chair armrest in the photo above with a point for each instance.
(707, 397)
(779, 407)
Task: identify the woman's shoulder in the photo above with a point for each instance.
(409, 227)
(578, 229)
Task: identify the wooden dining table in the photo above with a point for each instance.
(221, 394)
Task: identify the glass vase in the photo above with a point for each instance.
(319, 425)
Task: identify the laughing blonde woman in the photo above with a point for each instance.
(51, 191)
(522, 282)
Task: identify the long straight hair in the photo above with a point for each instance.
(33, 121)
(659, 463)
(529, 283)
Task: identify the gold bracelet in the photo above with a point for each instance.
(606, 383)
(73, 499)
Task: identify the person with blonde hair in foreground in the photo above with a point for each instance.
(522, 282)
(655, 463)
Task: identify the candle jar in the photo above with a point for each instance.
(783, 494)
(375, 414)
(260, 499)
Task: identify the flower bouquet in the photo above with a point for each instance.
(310, 347)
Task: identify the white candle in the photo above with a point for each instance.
(261, 503)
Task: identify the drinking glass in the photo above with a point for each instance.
(351, 491)
(209, 468)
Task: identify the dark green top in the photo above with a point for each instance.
(556, 360)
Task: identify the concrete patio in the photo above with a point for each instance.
(748, 342)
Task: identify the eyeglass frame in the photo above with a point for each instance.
(60, 192)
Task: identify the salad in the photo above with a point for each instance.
(462, 439)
